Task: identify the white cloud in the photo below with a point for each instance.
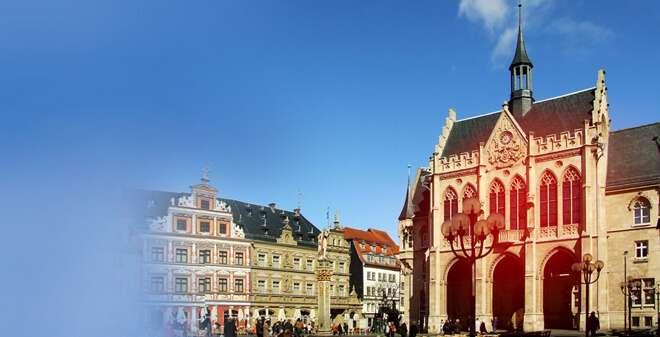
(586, 31)
(492, 13)
(506, 45)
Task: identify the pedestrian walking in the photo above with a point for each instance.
(593, 323)
(494, 323)
(413, 329)
(403, 329)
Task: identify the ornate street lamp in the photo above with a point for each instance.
(466, 226)
(656, 290)
(583, 272)
(627, 289)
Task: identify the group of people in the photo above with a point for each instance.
(450, 327)
(282, 328)
(339, 329)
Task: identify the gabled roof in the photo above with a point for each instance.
(255, 220)
(547, 117)
(376, 242)
(634, 157)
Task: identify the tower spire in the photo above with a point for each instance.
(521, 75)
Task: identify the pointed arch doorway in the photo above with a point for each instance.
(458, 291)
(508, 293)
(557, 291)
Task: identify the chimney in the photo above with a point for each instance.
(272, 206)
(297, 210)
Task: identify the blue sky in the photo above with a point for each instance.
(329, 98)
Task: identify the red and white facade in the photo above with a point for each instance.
(194, 257)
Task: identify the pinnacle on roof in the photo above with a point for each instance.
(407, 212)
(520, 56)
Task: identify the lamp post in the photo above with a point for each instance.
(625, 305)
(627, 289)
(656, 290)
(467, 225)
(583, 272)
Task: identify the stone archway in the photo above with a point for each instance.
(508, 293)
(458, 291)
(557, 291)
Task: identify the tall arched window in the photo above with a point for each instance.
(497, 201)
(518, 211)
(548, 200)
(451, 203)
(641, 211)
(570, 192)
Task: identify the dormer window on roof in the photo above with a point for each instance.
(262, 215)
(248, 212)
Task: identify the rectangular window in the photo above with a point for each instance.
(296, 264)
(181, 285)
(341, 290)
(238, 259)
(341, 267)
(310, 289)
(403, 286)
(238, 285)
(276, 261)
(332, 290)
(205, 226)
(204, 285)
(310, 265)
(205, 256)
(648, 321)
(181, 255)
(262, 260)
(223, 228)
(181, 224)
(368, 275)
(222, 285)
(296, 288)
(222, 257)
(157, 253)
(157, 283)
(641, 250)
(635, 321)
(410, 239)
(205, 204)
(261, 286)
(276, 287)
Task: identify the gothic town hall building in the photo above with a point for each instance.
(566, 184)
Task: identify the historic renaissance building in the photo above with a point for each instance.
(205, 256)
(566, 185)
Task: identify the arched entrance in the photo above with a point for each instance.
(557, 291)
(508, 293)
(458, 292)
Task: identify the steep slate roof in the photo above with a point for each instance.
(634, 157)
(374, 241)
(466, 134)
(407, 212)
(145, 204)
(547, 117)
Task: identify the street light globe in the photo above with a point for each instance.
(471, 206)
(482, 228)
(496, 220)
(460, 220)
(446, 228)
(587, 257)
(599, 265)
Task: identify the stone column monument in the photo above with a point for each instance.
(323, 274)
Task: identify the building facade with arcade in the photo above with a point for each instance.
(566, 185)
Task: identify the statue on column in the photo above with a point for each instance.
(323, 244)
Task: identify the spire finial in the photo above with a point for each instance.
(205, 174)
